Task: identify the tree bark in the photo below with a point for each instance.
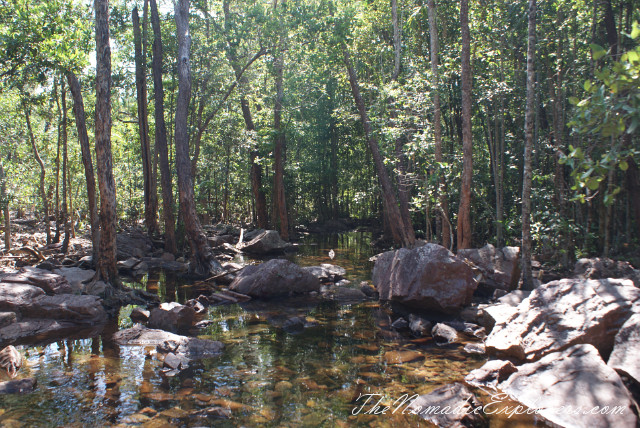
(443, 214)
(65, 170)
(5, 209)
(202, 260)
(106, 263)
(610, 25)
(161, 136)
(56, 237)
(527, 278)
(150, 197)
(401, 234)
(36, 154)
(464, 213)
(85, 148)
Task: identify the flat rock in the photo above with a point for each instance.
(67, 307)
(50, 283)
(128, 264)
(491, 374)
(474, 349)
(274, 278)
(76, 276)
(566, 386)
(563, 313)
(428, 277)
(18, 386)
(14, 296)
(327, 272)
(625, 358)
(31, 330)
(452, 396)
(266, 242)
(7, 318)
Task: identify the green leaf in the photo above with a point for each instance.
(598, 51)
(593, 183)
(635, 32)
(624, 165)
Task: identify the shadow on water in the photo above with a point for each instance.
(268, 374)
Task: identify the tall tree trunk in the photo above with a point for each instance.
(83, 137)
(527, 277)
(65, 170)
(202, 260)
(464, 214)
(256, 171)
(397, 47)
(4, 199)
(36, 154)
(610, 25)
(443, 214)
(106, 264)
(279, 197)
(150, 197)
(56, 237)
(401, 234)
(161, 136)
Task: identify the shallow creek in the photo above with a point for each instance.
(265, 376)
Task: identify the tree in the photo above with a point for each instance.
(106, 269)
(202, 261)
(150, 191)
(464, 213)
(161, 135)
(65, 170)
(527, 278)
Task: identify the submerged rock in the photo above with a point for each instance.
(274, 278)
(573, 388)
(429, 277)
(563, 313)
(18, 386)
(432, 407)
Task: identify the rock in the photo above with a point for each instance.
(274, 278)
(158, 263)
(76, 276)
(500, 267)
(172, 317)
(7, 318)
(625, 358)
(471, 314)
(95, 288)
(419, 326)
(474, 349)
(400, 324)
(19, 386)
(492, 315)
(563, 313)
(428, 277)
(575, 379)
(266, 242)
(491, 374)
(47, 265)
(40, 330)
(346, 294)
(50, 283)
(453, 396)
(345, 283)
(140, 315)
(87, 310)
(133, 243)
(294, 324)
(401, 357)
(443, 334)
(602, 268)
(15, 296)
(216, 241)
(10, 360)
(190, 347)
(85, 262)
(327, 272)
(175, 362)
(513, 298)
(128, 264)
(197, 306)
(368, 289)
(168, 257)
(498, 293)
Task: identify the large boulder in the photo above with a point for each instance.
(80, 310)
(573, 388)
(133, 243)
(172, 317)
(500, 267)
(428, 277)
(266, 242)
(274, 278)
(564, 313)
(601, 268)
(50, 283)
(625, 358)
(14, 296)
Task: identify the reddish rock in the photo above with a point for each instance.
(172, 317)
(491, 374)
(500, 267)
(428, 277)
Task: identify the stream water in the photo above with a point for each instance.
(265, 376)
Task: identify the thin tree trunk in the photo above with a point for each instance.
(150, 197)
(203, 262)
(443, 214)
(397, 47)
(401, 234)
(161, 136)
(65, 170)
(85, 148)
(527, 277)
(36, 154)
(464, 214)
(106, 264)
(56, 238)
(256, 171)
(5, 209)
(279, 197)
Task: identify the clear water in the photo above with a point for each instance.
(265, 376)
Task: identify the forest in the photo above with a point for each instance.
(146, 139)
